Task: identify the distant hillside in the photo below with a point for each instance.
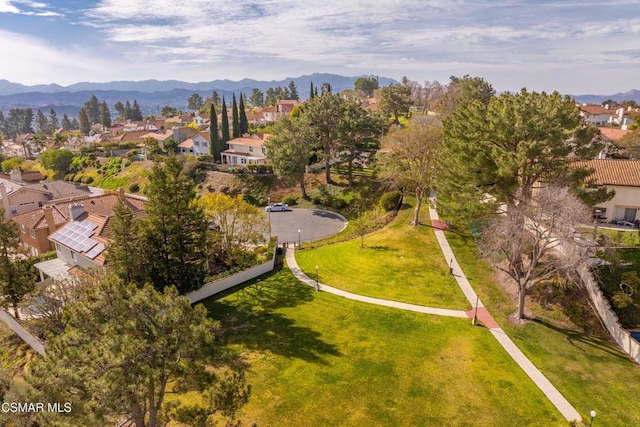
(598, 99)
(152, 95)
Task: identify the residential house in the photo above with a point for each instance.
(246, 150)
(19, 197)
(196, 145)
(36, 226)
(82, 241)
(607, 137)
(594, 114)
(622, 176)
(23, 177)
(283, 107)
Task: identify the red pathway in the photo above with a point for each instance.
(483, 317)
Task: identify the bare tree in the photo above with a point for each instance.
(527, 241)
(411, 164)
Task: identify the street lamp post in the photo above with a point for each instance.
(317, 278)
(298, 238)
(593, 415)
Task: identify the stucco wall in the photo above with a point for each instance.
(626, 197)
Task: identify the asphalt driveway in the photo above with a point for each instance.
(314, 224)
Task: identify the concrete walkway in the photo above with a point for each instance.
(482, 315)
(26, 336)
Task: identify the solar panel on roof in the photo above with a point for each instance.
(96, 250)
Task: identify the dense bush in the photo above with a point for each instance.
(246, 192)
(87, 179)
(78, 178)
(290, 200)
(252, 168)
(134, 188)
(390, 200)
(337, 203)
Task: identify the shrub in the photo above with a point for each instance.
(338, 203)
(224, 189)
(252, 168)
(290, 200)
(69, 177)
(316, 200)
(246, 191)
(134, 188)
(78, 178)
(87, 179)
(390, 200)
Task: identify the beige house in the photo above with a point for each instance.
(247, 150)
(622, 176)
(21, 197)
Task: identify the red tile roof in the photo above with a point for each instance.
(612, 171)
(594, 109)
(613, 134)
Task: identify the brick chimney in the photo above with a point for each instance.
(75, 210)
(120, 193)
(48, 217)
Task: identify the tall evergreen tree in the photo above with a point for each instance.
(105, 115)
(15, 280)
(41, 122)
(257, 98)
(27, 121)
(119, 107)
(311, 93)
(235, 123)
(174, 231)
(244, 122)
(53, 122)
(136, 113)
(92, 108)
(125, 249)
(215, 148)
(293, 91)
(83, 120)
(66, 123)
(126, 112)
(225, 123)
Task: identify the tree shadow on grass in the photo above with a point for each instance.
(382, 248)
(576, 338)
(250, 318)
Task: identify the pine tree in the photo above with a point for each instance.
(125, 249)
(105, 115)
(214, 146)
(83, 119)
(174, 230)
(66, 123)
(225, 123)
(126, 112)
(41, 122)
(136, 113)
(244, 122)
(235, 123)
(293, 91)
(15, 280)
(53, 122)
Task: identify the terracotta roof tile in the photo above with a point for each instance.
(612, 171)
(613, 134)
(594, 109)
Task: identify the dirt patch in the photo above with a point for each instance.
(215, 180)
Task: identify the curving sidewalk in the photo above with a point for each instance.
(556, 398)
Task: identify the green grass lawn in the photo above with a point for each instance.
(400, 263)
(315, 359)
(590, 372)
(619, 237)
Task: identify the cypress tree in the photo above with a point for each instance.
(311, 94)
(225, 123)
(244, 122)
(214, 145)
(235, 124)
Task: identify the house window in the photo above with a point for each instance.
(58, 247)
(243, 161)
(230, 146)
(40, 204)
(205, 144)
(73, 255)
(14, 210)
(263, 150)
(32, 233)
(196, 143)
(22, 229)
(251, 149)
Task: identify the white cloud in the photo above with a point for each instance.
(18, 7)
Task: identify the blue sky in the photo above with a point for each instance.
(574, 47)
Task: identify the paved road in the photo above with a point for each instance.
(314, 224)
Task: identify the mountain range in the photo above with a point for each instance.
(152, 95)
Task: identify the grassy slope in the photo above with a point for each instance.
(400, 262)
(589, 372)
(317, 359)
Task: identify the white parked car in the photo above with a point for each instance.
(276, 207)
